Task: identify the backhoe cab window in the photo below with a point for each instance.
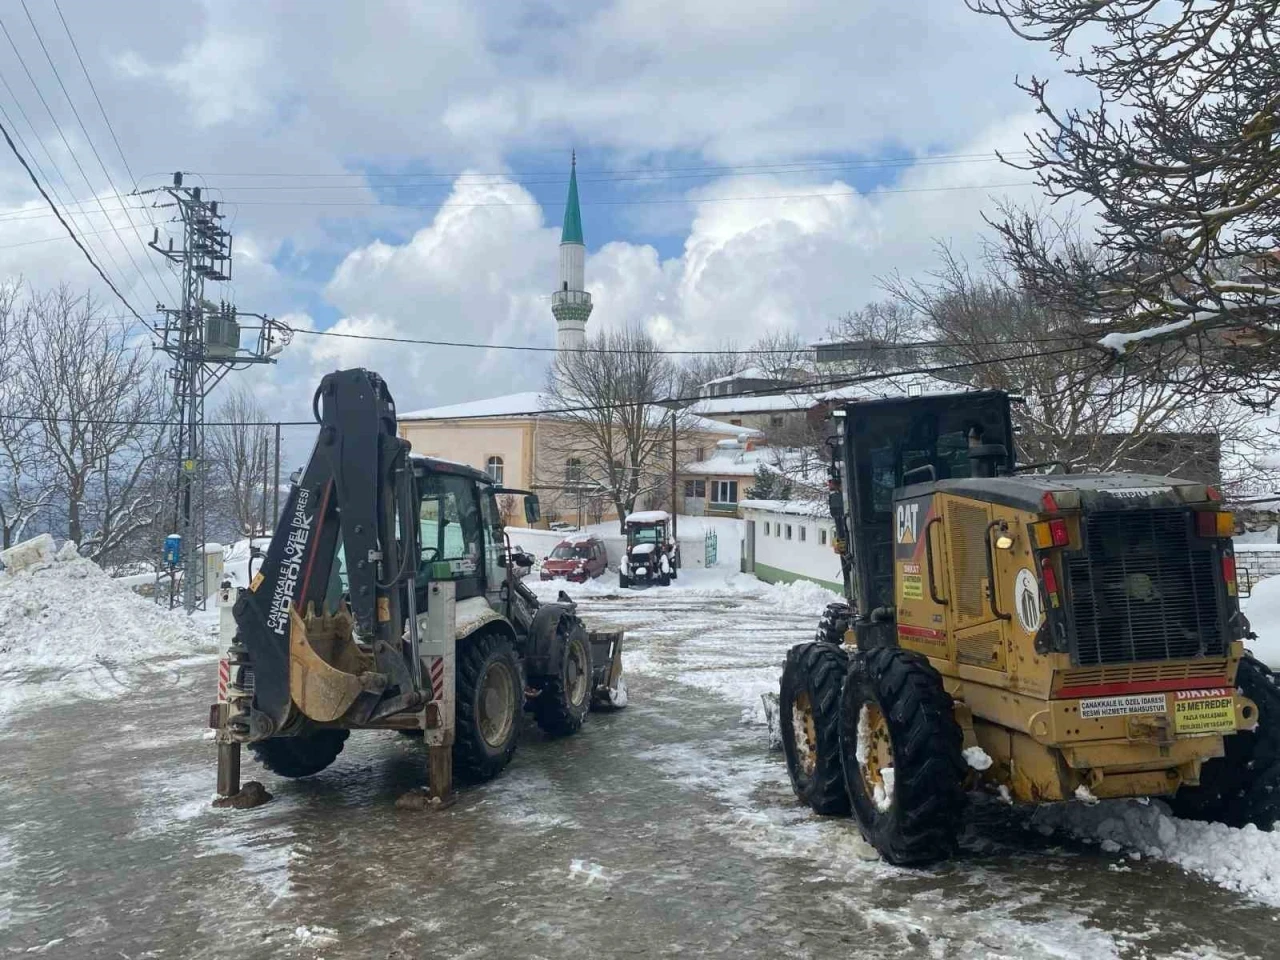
(449, 528)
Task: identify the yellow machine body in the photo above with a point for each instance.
(971, 595)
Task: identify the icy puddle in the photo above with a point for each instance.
(665, 830)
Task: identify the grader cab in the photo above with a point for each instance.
(1044, 635)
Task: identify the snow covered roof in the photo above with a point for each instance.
(648, 516)
(800, 400)
(815, 509)
(751, 373)
(535, 404)
(802, 466)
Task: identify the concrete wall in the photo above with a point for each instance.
(778, 559)
(1256, 561)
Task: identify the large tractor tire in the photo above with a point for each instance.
(562, 705)
(809, 720)
(1243, 785)
(490, 696)
(302, 755)
(902, 759)
(834, 623)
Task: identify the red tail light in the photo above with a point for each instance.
(1061, 535)
(1050, 580)
(1213, 494)
(1050, 505)
(1229, 573)
(1048, 576)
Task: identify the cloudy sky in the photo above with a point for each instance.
(400, 167)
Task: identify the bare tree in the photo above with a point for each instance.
(24, 487)
(873, 339)
(241, 457)
(1070, 409)
(1180, 162)
(783, 355)
(97, 407)
(609, 430)
(702, 368)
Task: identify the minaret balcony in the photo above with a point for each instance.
(571, 298)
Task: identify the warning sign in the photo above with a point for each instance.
(1101, 707)
(912, 586)
(1204, 711)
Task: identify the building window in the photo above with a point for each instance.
(802, 529)
(788, 531)
(493, 467)
(724, 491)
(695, 488)
(573, 470)
(775, 420)
(766, 528)
(822, 536)
(700, 453)
(736, 423)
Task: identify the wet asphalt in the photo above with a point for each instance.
(664, 830)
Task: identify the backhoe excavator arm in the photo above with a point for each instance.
(357, 479)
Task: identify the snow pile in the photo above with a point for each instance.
(1246, 859)
(977, 758)
(1262, 608)
(67, 629)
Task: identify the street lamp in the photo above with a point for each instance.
(675, 405)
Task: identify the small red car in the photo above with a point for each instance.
(579, 558)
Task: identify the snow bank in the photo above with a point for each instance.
(67, 629)
(1263, 610)
(1246, 860)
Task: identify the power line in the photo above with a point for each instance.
(57, 75)
(450, 204)
(29, 243)
(57, 127)
(602, 175)
(495, 179)
(93, 263)
(779, 351)
(110, 129)
(808, 393)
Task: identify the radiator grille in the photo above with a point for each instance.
(1210, 668)
(966, 533)
(1140, 592)
(983, 649)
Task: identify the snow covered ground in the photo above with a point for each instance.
(667, 828)
(67, 630)
(740, 660)
(1262, 607)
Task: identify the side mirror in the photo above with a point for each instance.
(532, 510)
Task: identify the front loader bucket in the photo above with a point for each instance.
(609, 689)
(327, 671)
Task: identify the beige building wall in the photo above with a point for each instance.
(473, 442)
(534, 451)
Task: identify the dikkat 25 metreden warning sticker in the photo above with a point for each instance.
(1204, 711)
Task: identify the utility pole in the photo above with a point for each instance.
(203, 339)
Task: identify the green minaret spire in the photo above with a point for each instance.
(572, 232)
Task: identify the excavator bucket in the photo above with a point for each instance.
(327, 670)
(609, 689)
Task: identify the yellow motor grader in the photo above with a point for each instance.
(1045, 635)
